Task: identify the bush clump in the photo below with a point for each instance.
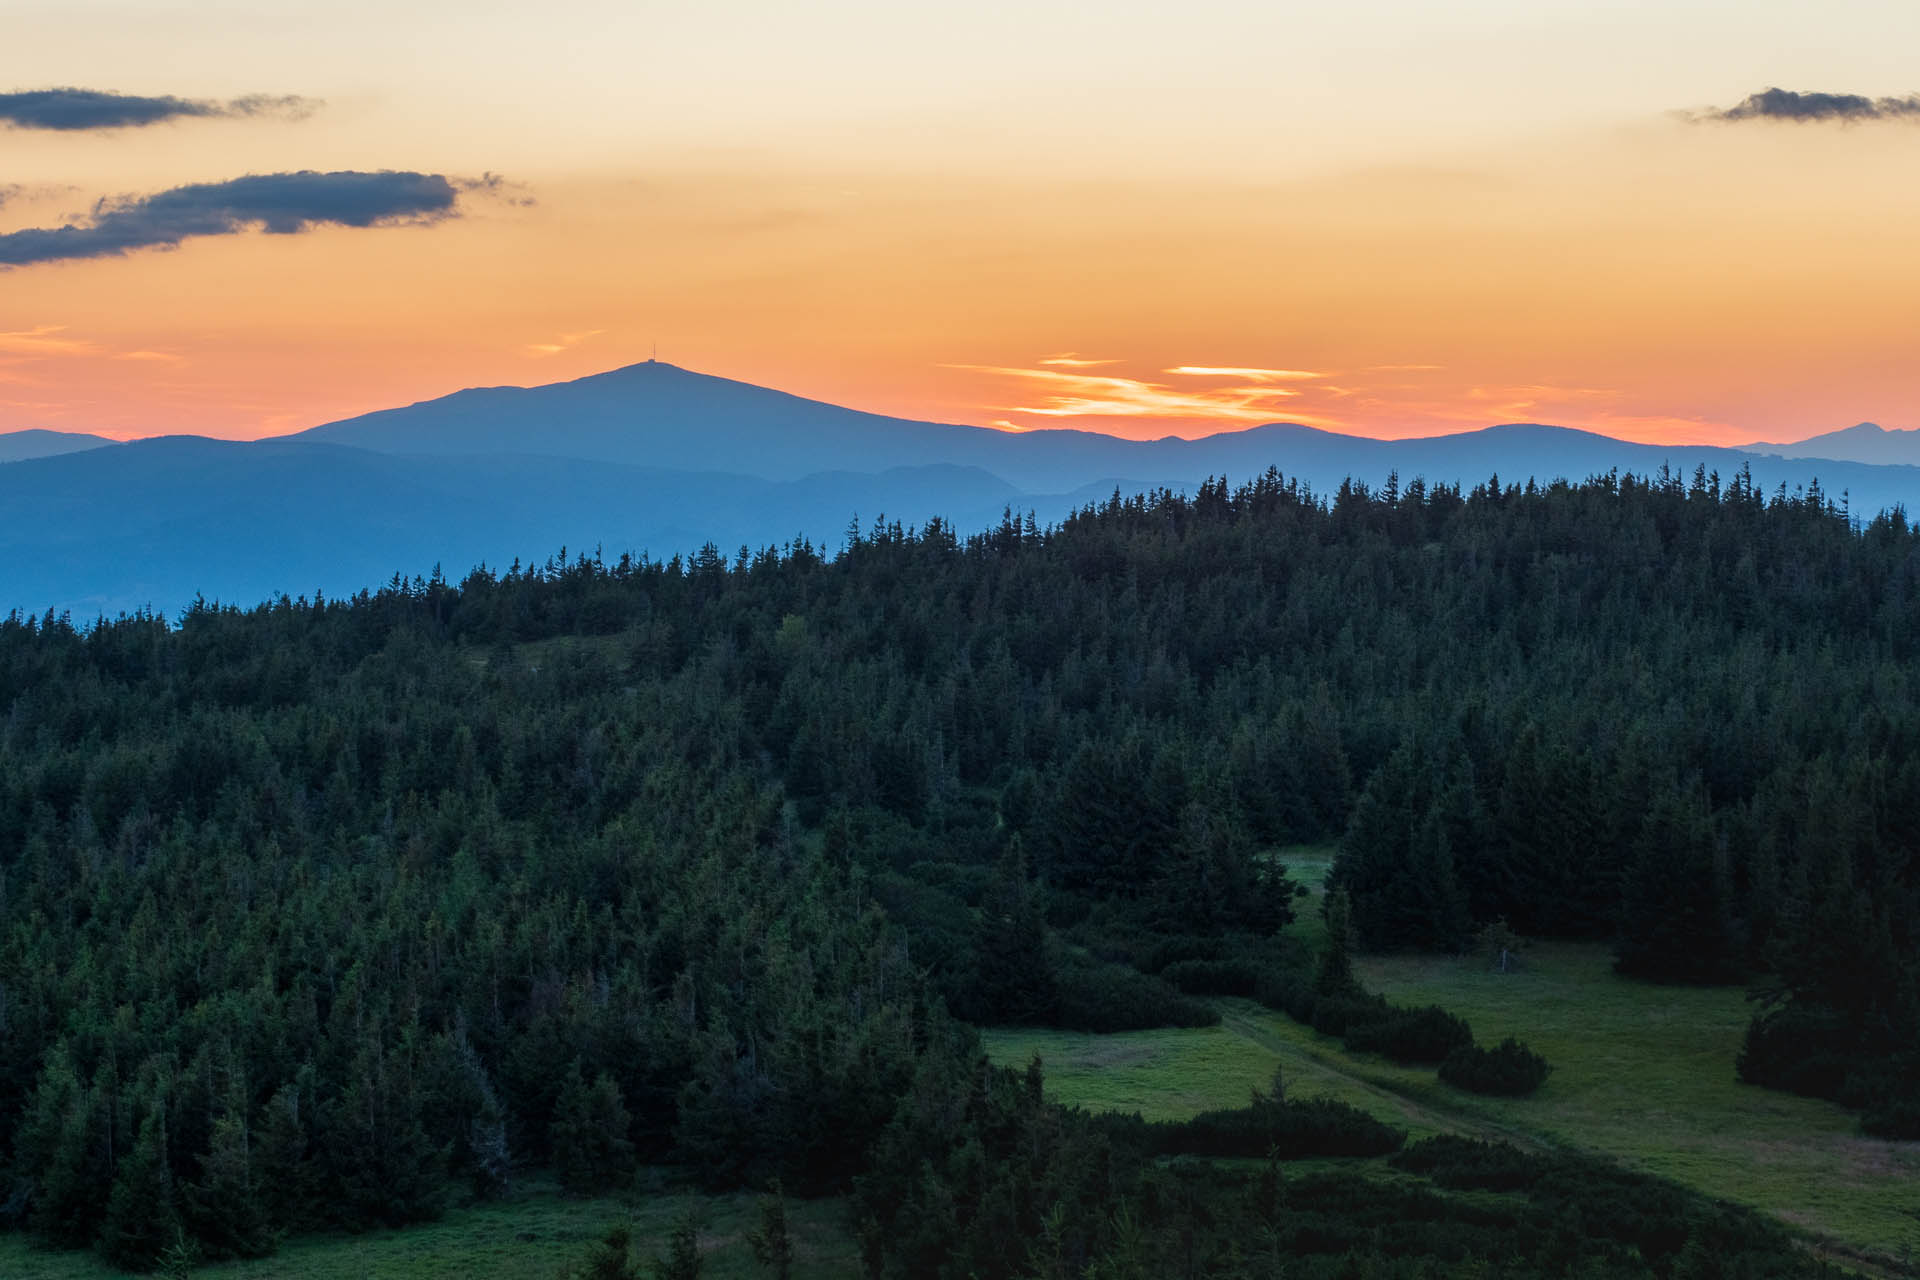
(1213, 977)
(1426, 1035)
(1469, 1164)
(1897, 1117)
(1509, 1070)
(1268, 1128)
(1118, 997)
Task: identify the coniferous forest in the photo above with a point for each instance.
(324, 914)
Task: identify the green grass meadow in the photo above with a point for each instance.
(1642, 1073)
(531, 1235)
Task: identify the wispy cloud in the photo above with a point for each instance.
(1085, 395)
(493, 186)
(1254, 375)
(71, 110)
(1387, 400)
(1073, 360)
(278, 203)
(562, 343)
(1814, 108)
(1533, 395)
(45, 340)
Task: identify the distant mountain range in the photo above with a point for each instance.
(658, 459)
(18, 446)
(1869, 442)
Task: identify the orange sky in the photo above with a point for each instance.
(1171, 245)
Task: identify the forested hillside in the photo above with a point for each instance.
(321, 912)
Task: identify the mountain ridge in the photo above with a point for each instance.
(490, 474)
(1866, 442)
(39, 442)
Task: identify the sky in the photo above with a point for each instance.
(1385, 217)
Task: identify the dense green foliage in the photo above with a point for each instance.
(977, 1179)
(312, 913)
(1509, 1069)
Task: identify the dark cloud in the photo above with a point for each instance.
(494, 187)
(279, 203)
(72, 110)
(1785, 104)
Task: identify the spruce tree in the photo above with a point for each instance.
(225, 1204)
(1012, 975)
(66, 1145)
(284, 1171)
(610, 1258)
(682, 1260)
(591, 1150)
(142, 1217)
(1334, 974)
(772, 1241)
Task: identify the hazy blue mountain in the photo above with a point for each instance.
(1868, 442)
(155, 522)
(659, 415)
(17, 446)
(648, 459)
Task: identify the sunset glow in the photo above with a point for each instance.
(1136, 229)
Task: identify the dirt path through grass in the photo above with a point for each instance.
(1327, 1076)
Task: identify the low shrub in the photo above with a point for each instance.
(1509, 1070)
(1897, 1117)
(1469, 1164)
(1334, 1015)
(1117, 997)
(1266, 1128)
(1213, 977)
(1425, 1035)
(1797, 1051)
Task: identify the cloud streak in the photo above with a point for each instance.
(564, 342)
(277, 203)
(1815, 108)
(44, 340)
(1074, 360)
(1085, 395)
(1253, 375)
(71, 110)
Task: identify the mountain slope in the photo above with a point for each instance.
(158, 521)
(17, 446)
(1868, 442)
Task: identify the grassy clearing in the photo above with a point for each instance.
(1645, 1074)
(1164, 1075)
(1641, 1073)
(1307, 864)
(528, 1236)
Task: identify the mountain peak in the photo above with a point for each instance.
(1867, 442)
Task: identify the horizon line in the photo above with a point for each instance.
(999, 428)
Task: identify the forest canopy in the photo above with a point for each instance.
(318, 912)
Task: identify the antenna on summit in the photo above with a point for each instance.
(655, 357)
